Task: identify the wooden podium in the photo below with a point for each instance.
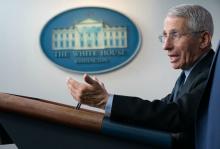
(40, 124)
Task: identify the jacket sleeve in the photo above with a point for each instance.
(160, 114)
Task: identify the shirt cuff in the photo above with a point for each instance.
(108, 106)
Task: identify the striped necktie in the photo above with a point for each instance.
(179, 85)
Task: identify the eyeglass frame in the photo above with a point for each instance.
(176, 35)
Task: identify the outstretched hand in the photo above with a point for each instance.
(92, 92)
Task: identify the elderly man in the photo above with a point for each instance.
(186, 37)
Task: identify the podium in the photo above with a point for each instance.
(41, 124)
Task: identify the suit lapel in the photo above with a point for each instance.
(198, 70)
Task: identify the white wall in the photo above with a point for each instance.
(25, 70)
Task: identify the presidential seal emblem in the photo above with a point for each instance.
(90, 40)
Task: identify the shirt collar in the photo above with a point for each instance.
(188, 71)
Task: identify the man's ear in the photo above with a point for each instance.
(205, 38)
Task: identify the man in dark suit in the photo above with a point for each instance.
(186, 37)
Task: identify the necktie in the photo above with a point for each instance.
(179, 85)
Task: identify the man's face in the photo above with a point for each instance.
(183, 47)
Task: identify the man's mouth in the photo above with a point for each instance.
(174, 58)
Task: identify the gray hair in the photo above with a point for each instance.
(198, 18)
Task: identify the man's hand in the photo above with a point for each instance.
(92, 92)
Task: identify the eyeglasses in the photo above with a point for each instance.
(175, 36)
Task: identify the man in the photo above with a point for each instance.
(186, 37)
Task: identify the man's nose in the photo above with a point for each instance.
(168, 44)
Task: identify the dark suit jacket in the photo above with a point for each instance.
(167, 115)
(207, 120)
